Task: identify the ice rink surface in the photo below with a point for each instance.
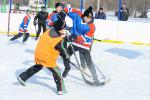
(127, 65)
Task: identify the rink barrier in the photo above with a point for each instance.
(122, 42)
(137, 43)
(14, 33)
(148, 44)
(95, 40)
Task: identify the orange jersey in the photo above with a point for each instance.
(45, 53)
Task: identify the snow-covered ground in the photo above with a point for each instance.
(128, 66)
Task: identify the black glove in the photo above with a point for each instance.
(68, 39)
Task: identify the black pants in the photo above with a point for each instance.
(39, 29)
(85, 58)
(25, 36)
(36, 68)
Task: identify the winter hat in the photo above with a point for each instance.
(58, 4)
(59, 25)
(88, 12)
(61, 15)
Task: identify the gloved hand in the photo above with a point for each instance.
(68, 39)
(34, 22)
(73, 36)
(51, 23)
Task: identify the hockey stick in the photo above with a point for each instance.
(103, 76)
(35, 28)
(83, 72)
(75, 56)
(100, 40)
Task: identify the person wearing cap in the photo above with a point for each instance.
(100, 14)
(46, 54)
(52, 17)
(23, 31)
(41, 16)
(125, 12)
(82, 37)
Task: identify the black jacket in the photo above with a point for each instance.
(41, 16)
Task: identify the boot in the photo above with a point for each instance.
(21, 81)
(61, 92)
(65, 73)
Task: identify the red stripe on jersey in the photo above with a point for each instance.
(25, 20)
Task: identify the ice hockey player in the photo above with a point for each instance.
(23, 28)
(82, 35)
(52, 17)
(46, 54)
(41, 16)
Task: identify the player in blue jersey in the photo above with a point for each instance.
(23, 28)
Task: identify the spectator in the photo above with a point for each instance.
(124, 13)
(100, 14)
(17, 8)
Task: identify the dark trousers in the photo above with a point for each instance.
(39, 29)
(36, 68)
(25, 36)
(85, 59)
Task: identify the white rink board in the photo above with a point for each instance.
(105, 29)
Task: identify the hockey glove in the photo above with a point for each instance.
(51, 23)
(68, 39)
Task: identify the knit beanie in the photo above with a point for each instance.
(58, 4)
(88, 12)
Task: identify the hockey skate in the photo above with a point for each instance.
(61, 92)
(65, 73)
(21, 81)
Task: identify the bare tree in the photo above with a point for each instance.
(134, 6)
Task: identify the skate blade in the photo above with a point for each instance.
(61, 92)
(20, 81)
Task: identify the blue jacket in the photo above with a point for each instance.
(82, 32)
(100, 16)
(25, 23)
